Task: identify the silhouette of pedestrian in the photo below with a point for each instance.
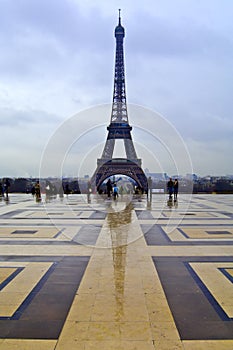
(109, 188)
(115, 191)
(7, 185)
(170, 188)
(89, 190)
(37, 191)
(149, 193)
(1, 190)
(33, 191)
(176, 188)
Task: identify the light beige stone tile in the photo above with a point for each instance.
(33, 250)
(212, 250)
(135, 331)
(71, 344)
(26, 344)
(105, 313)
(82, 307)
(171, 345)
(208, 344)
(73, 332)
(12, 298)
(103, 331)
(119, 345)
(164, 331)
(137, 313)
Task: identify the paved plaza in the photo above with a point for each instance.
(124, 274)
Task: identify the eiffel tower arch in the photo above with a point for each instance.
(119, 128)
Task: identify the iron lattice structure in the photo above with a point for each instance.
(119, 127)
(124, 167)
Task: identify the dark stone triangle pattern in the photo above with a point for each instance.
(144, 215)
(87, 235)
(154, 235)
(44, 311)
(98, 214)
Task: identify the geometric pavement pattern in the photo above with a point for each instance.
(116, 274)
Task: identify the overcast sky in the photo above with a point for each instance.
(57, 60)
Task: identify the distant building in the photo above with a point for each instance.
(192, 177)
(157, 176)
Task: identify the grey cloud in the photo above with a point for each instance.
(185, 37)
(206, 128)
(53, 40)
(15, 118)
(57, 19)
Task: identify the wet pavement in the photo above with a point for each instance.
(124, 274)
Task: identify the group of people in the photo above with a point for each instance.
(172, 188)
(112, 189)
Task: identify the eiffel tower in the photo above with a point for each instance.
(119, 128)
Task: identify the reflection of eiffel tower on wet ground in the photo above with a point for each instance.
(119, 128)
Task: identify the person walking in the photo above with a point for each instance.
(176, 188)
(6, 187)
(1, 190)
(170, 188)
(109, 188)
(37, 191)
(115, 191)
(33, 191)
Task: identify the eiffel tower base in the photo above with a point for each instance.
(122, 166)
